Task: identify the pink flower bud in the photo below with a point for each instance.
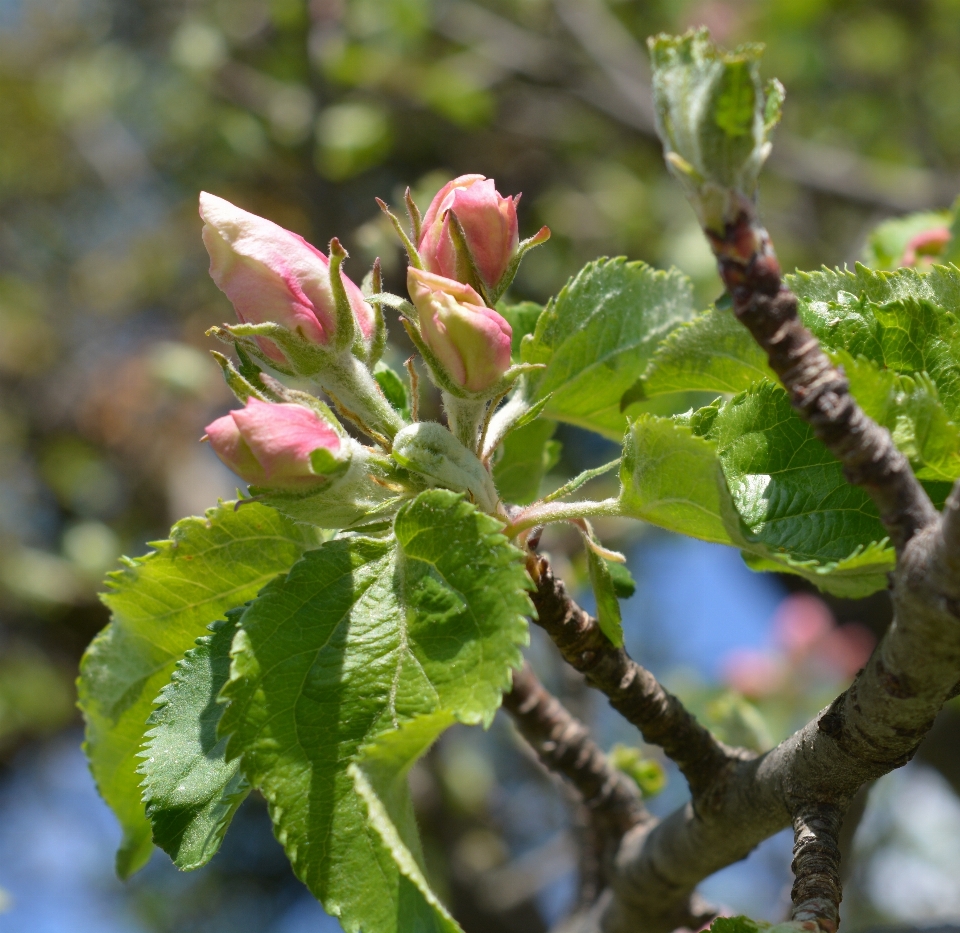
(269, 444)
(928, 244)
(271, 274)
(470, 340)
(489, 224)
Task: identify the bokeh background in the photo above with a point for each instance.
(115, 113)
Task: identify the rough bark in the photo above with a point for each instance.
(631, 689)
(816, 890)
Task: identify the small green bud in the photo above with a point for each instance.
(714, 118)
(429, 449)
(648, 775)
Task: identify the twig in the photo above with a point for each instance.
(819, 392)
(563, 744)
(632, 690)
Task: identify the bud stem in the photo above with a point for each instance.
(542, 513)
(349, 381)
(465, 416)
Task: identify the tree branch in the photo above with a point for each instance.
(632, 690)
(878, 723)
(816, 890)
(563, 744)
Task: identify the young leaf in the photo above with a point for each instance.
(673, 479)
(713, 353)
(790, 493)
(597, 335)
(161, 604)
(191, 792)
(527, 456)
(907, 335)
(380, 780)
(910, 407)
(362, 636)
(623, 583)
(608, 608)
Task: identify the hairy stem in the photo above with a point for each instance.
(563, 744)
(816, 890)
(542, 513)
(632, 690)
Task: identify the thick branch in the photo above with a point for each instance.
(816, 890)
(818, 390)
(632, 690)
(869, 730)
(564, 745)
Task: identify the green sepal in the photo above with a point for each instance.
(240, 387)
(347, 335)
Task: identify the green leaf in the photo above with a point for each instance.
(906, 335)
(910, 407)
(522, 318)
(161, 604)
(646, 773)
(597, 335)
(608, 608)
(623, 583)
(190, 790)
(794, 504)
(713, 353)
(362, 636)
(673, 479)
(739, 924)
(814, 289)
(527, 456)
(380, 780)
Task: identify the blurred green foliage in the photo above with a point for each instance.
(115, 113)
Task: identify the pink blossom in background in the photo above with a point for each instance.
(801, 621)
(928, 243)
(754, 672)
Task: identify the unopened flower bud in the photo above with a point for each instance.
(470, 340)
(272, 274)
(489, 223)
(282, 445)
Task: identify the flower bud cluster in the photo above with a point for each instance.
(300, 314)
